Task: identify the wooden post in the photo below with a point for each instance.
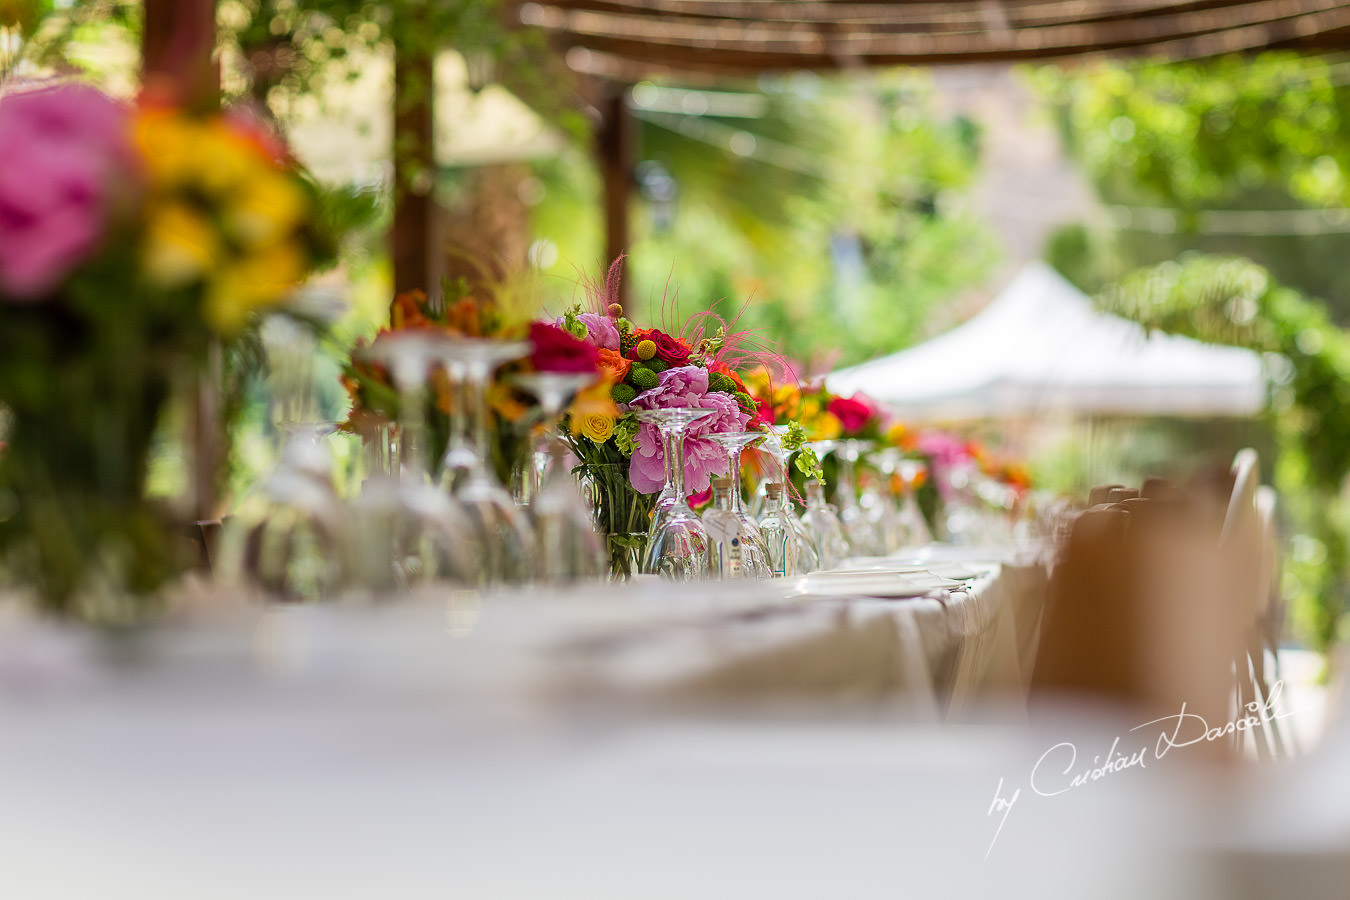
(178, 44)
(414, 153)
(616, 149)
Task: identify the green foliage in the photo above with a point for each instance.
(867, 166)
(1234, 301)
(1190, 133)
(1267, 136)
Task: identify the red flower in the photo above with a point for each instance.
(557, 351)
(671, 351)
(851, 412)
(765, 416)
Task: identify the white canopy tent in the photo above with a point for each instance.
(1040, 348)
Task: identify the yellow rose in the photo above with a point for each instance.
(596, 427)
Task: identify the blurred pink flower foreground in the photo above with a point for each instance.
(66, 150)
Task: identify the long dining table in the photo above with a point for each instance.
(832, 736)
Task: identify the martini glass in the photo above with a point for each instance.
(754, 551)
(502, 528)
(406, 530)
(569, 547)
(678, 545)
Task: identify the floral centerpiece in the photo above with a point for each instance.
(131, 238)
(624, 460)
(514, 415)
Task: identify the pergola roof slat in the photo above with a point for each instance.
(748, 36)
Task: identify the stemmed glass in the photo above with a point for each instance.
(502, 528)
(406, 530)
(856, 527)
(569, 545)
(808, 552)
(884, 510)
(823, 525)
(754, 551)
(678, 546)
(287, 534)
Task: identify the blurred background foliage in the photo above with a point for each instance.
(832, 209)
(1225, 186)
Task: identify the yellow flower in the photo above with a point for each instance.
(268, 208)
(825, 427)
(598, 428)
(897, 434)
(595, 401)
(181, 246)
(257, 280)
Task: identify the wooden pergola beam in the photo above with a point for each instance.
(929, 34)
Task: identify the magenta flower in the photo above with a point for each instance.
(67, 155)
(684, 386)
(600, 331)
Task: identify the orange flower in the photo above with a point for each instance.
(463, 317)
(614, 366)
(406, 311)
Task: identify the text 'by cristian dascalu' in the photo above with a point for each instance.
(1062, 768)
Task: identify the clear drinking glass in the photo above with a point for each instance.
(822, 523)
(568, 544)
(784, 548)
(754, 551)
(406, 530)
(287, 536)
(807, 552)
(678, 546)
(503, 529)
(857, 528)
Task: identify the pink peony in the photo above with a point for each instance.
(851, 412)
(600, 331)
(684, 386)
(67, 153)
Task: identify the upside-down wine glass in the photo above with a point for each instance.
(754, 551)
(678, 546)
(406, 530)
(287, 535)
(568, 544)
(808, 553)
(502, 527)
(856, 527)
